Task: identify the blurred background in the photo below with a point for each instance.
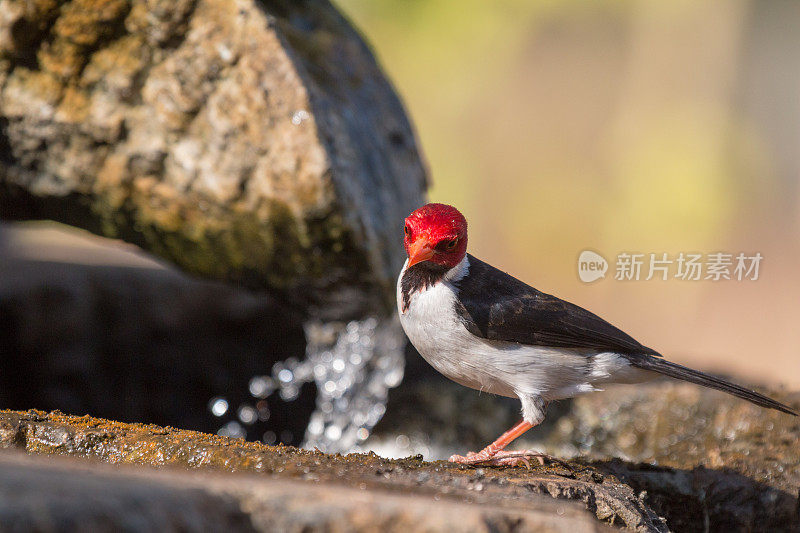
(618, 126)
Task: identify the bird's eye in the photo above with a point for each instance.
(408, 232)
(452, 244)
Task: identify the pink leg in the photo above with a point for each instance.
(494, 454)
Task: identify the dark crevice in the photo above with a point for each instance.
(177, 38)
(722, 498)
(396, 138)
(17, 204)
(6, 152)
(108, 32)
(29, 35)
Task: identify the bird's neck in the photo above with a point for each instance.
(426, 274)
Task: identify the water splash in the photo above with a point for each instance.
(353, 366)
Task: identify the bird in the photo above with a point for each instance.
(487, 330)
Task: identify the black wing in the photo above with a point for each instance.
(496, 306)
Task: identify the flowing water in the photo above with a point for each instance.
(353, 366)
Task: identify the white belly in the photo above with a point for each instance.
(503, 368)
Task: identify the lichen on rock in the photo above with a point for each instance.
(505, 490)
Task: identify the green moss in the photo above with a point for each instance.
(272, 249)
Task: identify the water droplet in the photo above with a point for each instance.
(393, 377)
(263, 410)
(232, 429)
(353, 366)
(300, 116)
(315, 426)
(218, 406)
(247, 414)
(261, 386)
(289, 393)
(269, 437)
(333, 433)
(341, 404)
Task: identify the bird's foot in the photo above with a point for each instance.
(503, 458)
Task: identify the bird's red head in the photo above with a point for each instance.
(436, 233)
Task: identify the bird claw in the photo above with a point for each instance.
(503, 458)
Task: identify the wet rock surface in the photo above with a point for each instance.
(501, 493)
(255, 142)
(62, 495)
(717, 460)
(40, 492)
(733, 467)
(700, 458)
(677, 425)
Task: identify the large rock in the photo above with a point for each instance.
(253, 142)
(694, 455)
(708, 457)
(353, 492)
(742, 479)
(64, 495)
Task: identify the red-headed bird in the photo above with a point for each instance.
(489, 331)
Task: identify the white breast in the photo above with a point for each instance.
(504, 368)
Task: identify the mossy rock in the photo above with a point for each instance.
(251, 142)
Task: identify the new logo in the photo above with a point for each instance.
(591, 266)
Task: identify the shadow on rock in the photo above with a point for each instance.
(142, 344)
(705, 499)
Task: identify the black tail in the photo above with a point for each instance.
(674, 370)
